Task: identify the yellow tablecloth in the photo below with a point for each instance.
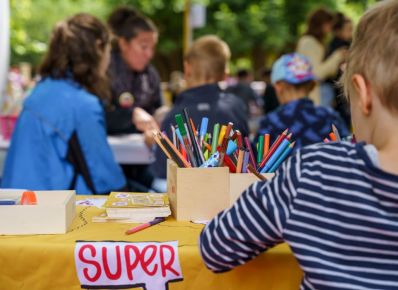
(47, 261)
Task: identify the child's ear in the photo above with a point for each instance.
(278, 87)
(187, 70)
(122, 43)
(364, 93)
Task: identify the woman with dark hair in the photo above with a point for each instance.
(312, 45)
(135, 83)
(60, 139)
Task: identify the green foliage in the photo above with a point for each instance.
(256, 30)
(32, 22)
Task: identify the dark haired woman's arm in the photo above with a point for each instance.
(118, 121)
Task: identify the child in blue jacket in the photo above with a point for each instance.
(60, 140)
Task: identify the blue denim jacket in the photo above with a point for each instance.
(37, 159)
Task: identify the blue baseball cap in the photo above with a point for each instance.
(293, 68)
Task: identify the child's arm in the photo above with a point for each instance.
(254, 223)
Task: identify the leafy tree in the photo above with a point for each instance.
(257, 31)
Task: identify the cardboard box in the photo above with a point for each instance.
(201, 193)
(197, 193)
(238, 182)
(53, 213)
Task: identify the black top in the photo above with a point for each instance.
(270, 99)
(142, 88)
(243, 91)
(203, 101)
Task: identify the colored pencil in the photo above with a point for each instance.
(224, 143)
(253, 170)
(216, 132)
(285, 143)
(260, 149)
(240, 160)
(245, 161)
(266, 144)
(282, 157)
(174, 149)
(274, 146)
(221, 136)
(336, 132)
(251, 155)
(183, 132)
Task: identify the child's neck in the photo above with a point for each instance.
(192, 83)
(290, 96)
(383, 137)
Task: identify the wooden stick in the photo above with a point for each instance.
(255, 172)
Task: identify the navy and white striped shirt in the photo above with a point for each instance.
(332, 205)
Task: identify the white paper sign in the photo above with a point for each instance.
(123, 264)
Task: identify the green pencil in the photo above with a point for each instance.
(216, 132)
(260, 149)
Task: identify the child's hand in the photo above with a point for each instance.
(148, 137)
(143, 121)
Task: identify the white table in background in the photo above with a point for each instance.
(127, 149)
(131, 149)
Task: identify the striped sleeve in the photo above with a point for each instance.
(254, 223)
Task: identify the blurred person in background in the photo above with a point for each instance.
(270, 100)
(342, 37)
(176, 84)
(243, 90)
(60, 140)
(135, 83)
(312, 45)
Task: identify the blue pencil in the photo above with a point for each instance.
(275, 156)
(203, 130)
(282, 157)
(180, 138)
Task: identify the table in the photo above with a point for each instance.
(47, 261)
(127, 149)
(131, 149)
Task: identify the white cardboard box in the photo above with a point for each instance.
(53, 213)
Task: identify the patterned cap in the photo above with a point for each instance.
(293, 68)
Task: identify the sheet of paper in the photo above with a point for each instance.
(98, 202)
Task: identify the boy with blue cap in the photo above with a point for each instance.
(293, 79)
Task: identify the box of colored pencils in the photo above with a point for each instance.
(207, 171)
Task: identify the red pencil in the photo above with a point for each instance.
(240, 143)
(144, 226)
(274, 146)
(228, 161)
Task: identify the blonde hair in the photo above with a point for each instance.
(373, 53)
(208, 56)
